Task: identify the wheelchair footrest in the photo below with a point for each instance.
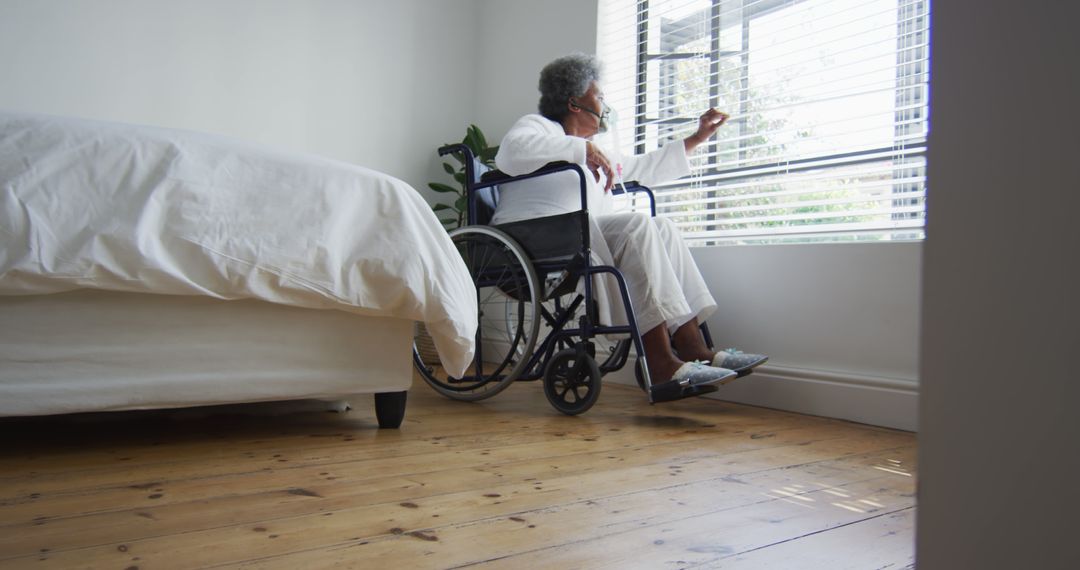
(671, 391)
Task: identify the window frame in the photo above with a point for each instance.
(908, 89)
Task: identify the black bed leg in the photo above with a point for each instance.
(390, 409)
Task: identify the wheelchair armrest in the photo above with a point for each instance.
(496, 177)
(633, 187)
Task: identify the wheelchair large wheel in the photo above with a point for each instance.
(572, 381)
(508, 295)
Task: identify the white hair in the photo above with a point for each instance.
(566, 77)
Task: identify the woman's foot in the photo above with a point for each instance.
(741, 362)
(660, 372)
(689, 344)
(691, 373)
(664, 366)
(697, 374)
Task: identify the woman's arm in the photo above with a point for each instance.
(669, 162)
(534, 141)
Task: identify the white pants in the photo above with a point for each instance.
(664, 282)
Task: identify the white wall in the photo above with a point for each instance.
(998, 451)
(379, 83)
(516, 39)
(839, 322)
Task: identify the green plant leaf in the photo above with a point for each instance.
(440, 187)
(472, 140)
(488, 154)
(460, 177)
(461, 204)
(448, 168)
(438, 207)
(481, 141)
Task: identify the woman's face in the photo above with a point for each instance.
(591, 106)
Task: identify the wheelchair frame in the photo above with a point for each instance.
(575, 364)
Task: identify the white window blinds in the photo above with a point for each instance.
(828, 105)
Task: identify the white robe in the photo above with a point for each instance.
(664, 282)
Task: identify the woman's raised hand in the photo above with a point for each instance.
(708, 123)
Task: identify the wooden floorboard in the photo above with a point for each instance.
(504, 483)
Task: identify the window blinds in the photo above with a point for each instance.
(828, 105)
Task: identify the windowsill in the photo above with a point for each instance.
(813, 243)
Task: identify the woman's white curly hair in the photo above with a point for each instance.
(566, 77)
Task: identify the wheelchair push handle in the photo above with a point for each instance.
(456, 147)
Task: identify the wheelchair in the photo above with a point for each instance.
(535, 275)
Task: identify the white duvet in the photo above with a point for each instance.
(86, 204)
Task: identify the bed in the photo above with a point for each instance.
(147, 268)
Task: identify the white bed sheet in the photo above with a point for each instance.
(87, 204)
(101, 350)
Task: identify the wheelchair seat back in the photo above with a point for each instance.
(553, 244)
(550, 241)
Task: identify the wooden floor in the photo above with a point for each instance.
(505, 483)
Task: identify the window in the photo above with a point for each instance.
(828, 105)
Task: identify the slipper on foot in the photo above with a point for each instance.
(741, 362)
(697, 374)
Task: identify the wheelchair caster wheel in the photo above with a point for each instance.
(572, 381)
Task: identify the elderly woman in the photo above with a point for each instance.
(667, 291)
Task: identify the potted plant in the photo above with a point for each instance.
(452, 214)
